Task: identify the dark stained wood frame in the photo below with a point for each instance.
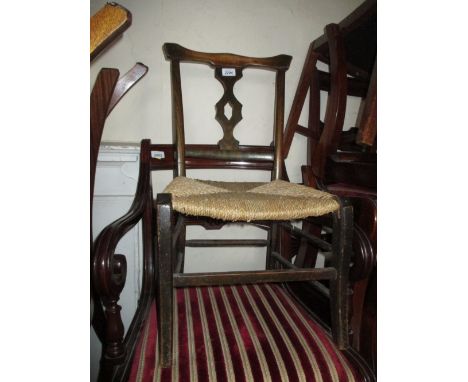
(169, 224)
(366, 12)
(337, 273)
(322, 141)
(368, 124)
(100, 99)
(336, 105)
(346, 169)
(101, 96)
(108, 270)
(107, 91)
(118, 368)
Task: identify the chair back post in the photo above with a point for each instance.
(279, 125)
(336, 105)
(101, 96)
(178, 134)
(314, 123)
(309, 70)
(368, 122)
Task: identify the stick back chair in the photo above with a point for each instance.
(269, 205)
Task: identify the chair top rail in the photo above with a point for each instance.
(177, 52)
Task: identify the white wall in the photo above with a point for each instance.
(254, 28)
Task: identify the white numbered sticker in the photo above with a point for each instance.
(157, 154)
(228, 72)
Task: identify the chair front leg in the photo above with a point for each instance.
(341, 247)
(164, 277)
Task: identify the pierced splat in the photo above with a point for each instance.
(228, 148)
(228, 111)
(228, 100)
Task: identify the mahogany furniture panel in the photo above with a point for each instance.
(343, 163)
(108, 90)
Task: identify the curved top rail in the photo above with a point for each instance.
(179, 53)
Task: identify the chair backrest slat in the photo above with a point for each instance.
(261, 158)
(229, 155)
(178, 132)
(175, 52)
(228, 70)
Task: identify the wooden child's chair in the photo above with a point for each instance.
(267, 205)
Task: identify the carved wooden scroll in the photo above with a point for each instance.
(228, 77)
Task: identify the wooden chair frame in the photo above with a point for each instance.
(326, 165)
(323, 139)
(119, 350)
(108, 271)
(228, 154)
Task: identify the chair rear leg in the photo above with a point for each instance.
(164, 277)
(179, 249)
(341, 246)
(273, 242)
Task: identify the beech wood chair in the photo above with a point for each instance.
(263, 204)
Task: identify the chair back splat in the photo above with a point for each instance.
(228, 70)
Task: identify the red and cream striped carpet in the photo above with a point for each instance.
(242, 333)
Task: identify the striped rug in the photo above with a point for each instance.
(242, 333)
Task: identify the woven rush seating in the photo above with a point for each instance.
(246, 201)
(106, 25)
(242, 333)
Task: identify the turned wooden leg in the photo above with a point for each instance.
(164, 277)
(341, 247)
